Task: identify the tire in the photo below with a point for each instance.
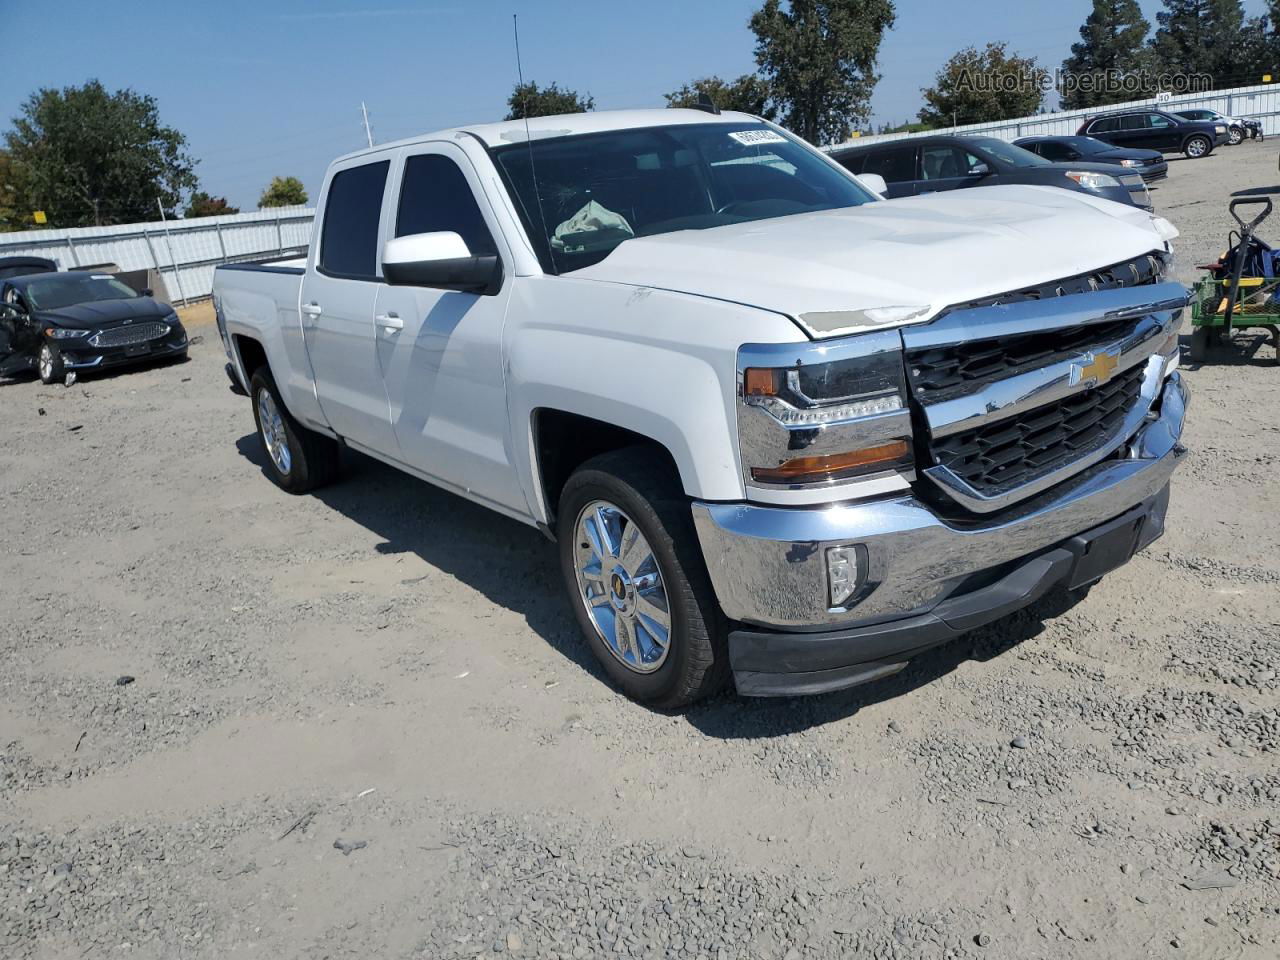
(1198, 351)
(1197, 146)
(639, 485)
(298, 459)
(1234, 136)
(49, 364)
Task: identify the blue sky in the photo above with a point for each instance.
(265, 88)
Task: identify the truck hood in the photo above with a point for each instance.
(891, 262)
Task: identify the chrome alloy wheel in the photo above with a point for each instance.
(273, 432)
(1196, 147)
(46, 362)
(622, 588)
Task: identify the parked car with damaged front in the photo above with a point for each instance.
(59, 323)
(782, 431)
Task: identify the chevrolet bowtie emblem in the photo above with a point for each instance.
(1098, 368)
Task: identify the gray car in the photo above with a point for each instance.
(930, 164)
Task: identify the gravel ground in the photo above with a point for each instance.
(362, 723)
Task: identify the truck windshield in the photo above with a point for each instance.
(596, 191)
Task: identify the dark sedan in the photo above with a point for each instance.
(60, 322)
(1156, 130)
(929, 164)
(1149, 164)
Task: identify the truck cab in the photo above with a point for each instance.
(782, 430)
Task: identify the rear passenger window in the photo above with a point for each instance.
(895, 164)
(1105, 125)
(435, 197)
(1134, 121)
(349, 240)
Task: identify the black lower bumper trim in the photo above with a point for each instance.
(771, 664)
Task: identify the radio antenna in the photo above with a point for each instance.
(528, 139)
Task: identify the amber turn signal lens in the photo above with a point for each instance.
(760, 382)
(832, 466)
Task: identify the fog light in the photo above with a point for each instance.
(844, 573)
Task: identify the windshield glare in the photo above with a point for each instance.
(64, 290)
(595, 191)
(1007, 152)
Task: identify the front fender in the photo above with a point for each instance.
(656, 363)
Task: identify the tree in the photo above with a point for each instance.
(283, 192)
(977, 86)
(1201, 38)
(528, 100)
(86, 156)
(1108, 52)
(748, 94)
(818, 59)
(10, 217)
(203, 205)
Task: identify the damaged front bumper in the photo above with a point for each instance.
(927, 579)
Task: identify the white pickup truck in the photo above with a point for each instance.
(782, 429)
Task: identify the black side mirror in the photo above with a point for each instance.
(464, 274)
(146, 292)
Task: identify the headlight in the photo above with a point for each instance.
(65, 333)
(1220, 129)
(1093, 181)
(1130, 163)
(826, 418)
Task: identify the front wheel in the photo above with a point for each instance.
(1197, 146)
(1234, 136)
(298, 459)
(637, 581)
(50, 365)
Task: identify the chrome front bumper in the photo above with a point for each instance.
(768, 564)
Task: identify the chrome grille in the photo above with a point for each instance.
(1007, 396)
(959, 368)
(130, 335)
(1016, 451)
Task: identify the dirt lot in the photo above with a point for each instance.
(362, 723)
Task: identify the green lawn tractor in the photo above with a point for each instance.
(1240, 291)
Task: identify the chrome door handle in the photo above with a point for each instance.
(389, 321)
(311, 309)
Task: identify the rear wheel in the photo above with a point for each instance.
(1197, 146)
(50, 365)
(637, 581)
(298, 459)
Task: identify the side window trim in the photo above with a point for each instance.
(318, 261)
(469, 172)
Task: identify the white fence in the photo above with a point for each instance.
(182, 252)
(1260, 102)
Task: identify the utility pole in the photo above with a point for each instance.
(368, 134)
(177, 277)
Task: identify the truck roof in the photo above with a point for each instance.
(567, 124)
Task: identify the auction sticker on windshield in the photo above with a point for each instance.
(751, 138)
